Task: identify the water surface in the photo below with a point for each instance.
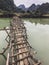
(38, 37)
(3, 44)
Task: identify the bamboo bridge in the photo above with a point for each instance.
(20, 51)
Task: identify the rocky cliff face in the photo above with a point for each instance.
(22, 7)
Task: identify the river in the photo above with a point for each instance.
(38, 37)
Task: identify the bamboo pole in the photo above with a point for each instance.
(7, 63)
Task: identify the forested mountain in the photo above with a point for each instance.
(39, 10)
(44, 8)
(33, 7)
(8, 5)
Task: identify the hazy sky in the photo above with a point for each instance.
(27, 3)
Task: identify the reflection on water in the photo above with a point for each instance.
(3, 44)
(38, 20)
(38, 37)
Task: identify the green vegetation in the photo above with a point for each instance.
(8, 8)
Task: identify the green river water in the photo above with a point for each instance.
(38, 37)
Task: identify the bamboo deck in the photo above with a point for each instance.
(20, 50)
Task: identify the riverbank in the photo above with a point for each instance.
(23, 15)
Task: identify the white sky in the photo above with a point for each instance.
(28, 3)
